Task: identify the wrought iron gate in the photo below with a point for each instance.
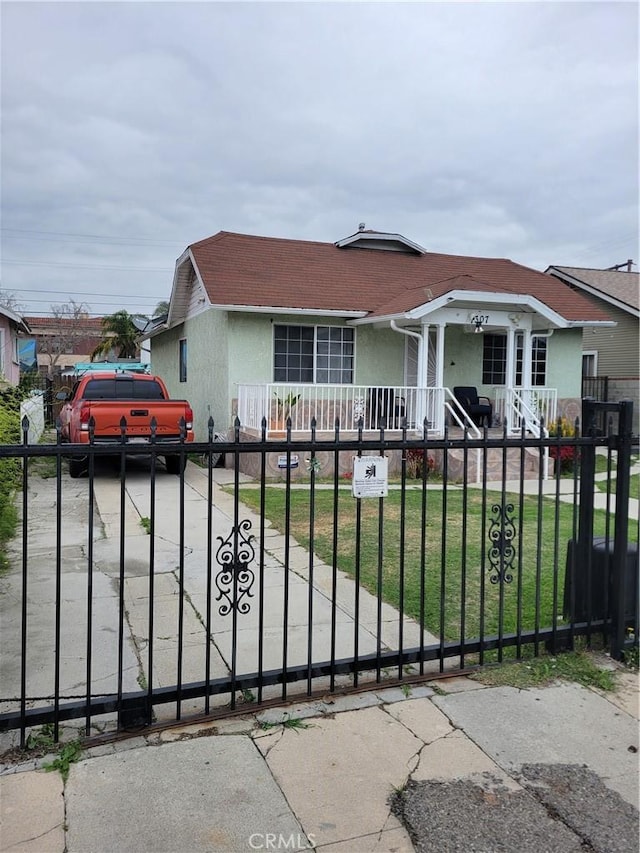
(261, 590)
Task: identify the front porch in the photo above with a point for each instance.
(390, 407)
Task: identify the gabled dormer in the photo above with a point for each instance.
(368, 239)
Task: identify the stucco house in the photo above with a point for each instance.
(372, 328)
(610, 356)
(12, 327)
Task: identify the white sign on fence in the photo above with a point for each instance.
(293, 460)
(370, 477)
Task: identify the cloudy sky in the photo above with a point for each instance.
(130, 130)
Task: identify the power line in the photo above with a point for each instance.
(85, 266)
(609, 245)
(66, 292)
(146, 301)
(105, 237)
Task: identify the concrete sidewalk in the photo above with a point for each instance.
(450, 766)
(447, 765)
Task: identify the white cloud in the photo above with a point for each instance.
(488, 128)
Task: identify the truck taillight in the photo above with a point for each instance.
(85, 414)
(188, 417)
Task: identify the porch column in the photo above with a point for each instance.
(510, 368)
(527, 344)
(423, 357)
(510, 378)
(440, 356)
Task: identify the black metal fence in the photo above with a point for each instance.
(260, 590)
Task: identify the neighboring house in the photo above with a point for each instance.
(63, 342)
(372, 327)
(12, 327)
(609, 355)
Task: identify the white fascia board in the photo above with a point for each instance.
(185, 257)
(315, 312)
(15, 318)
(479, 298)
(598, 324)
(588, 288)
(366, 236)
(364, 320)
(174, 286)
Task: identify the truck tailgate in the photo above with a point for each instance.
(138, 415)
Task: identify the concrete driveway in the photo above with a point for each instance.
(119, 536)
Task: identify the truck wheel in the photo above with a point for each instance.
(175, 464)
(76, 466)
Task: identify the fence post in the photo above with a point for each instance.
(587, 476)
(621, 530)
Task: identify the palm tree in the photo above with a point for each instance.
(118, 332)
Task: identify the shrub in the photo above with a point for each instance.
(566, 456)
(562, 427)
(10, 433)
(415, 462)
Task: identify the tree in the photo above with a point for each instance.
(68, 326)
(120, 333)
(9, 300)
(161, 309)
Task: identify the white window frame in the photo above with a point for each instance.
(315, 328)
(182, 360)
(591, 353)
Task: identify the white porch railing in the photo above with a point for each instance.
(387, 406)
(531, 406)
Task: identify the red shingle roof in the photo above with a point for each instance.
(88, 323)
(239, 269)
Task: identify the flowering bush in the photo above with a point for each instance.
(566, 457)
(415, 462)
(562, 427)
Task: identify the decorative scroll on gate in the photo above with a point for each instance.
(501, 554)
(235, 578)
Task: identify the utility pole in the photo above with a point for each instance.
(628, 264)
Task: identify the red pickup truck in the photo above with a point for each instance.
(109, 396)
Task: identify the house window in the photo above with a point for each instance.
(183, 360)
(320, 354)
(494, 359)
(538, 361)
(590, 363)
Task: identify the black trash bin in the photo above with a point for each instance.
(601, 555)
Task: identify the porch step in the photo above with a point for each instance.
(496, 463)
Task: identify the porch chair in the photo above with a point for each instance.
(479, 412)
(386, 409)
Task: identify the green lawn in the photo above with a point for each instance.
(634, 486)
(540, 542)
